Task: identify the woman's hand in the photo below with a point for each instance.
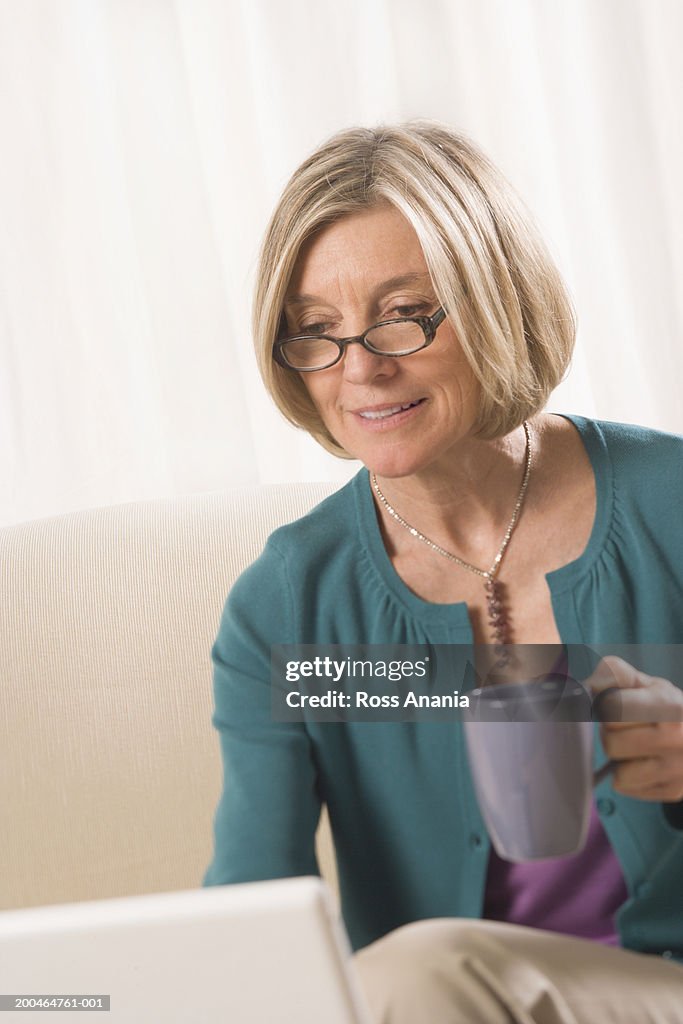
(642, 730)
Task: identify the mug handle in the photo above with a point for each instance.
(608, 767)
(602, 772)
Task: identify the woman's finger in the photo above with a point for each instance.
(623, 742)
(655, 778)
(622, 694)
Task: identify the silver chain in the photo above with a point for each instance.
(487, 574)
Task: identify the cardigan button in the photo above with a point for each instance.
(475, 840)
(641, 889)
(605, 806)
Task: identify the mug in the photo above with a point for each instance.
(530, 750)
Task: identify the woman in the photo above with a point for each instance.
(408, 315)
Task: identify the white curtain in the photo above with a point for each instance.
(144, 142)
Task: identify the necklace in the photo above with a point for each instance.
(498, 620)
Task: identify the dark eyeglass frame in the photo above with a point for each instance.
(429, 325)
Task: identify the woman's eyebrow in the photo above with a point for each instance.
(300, 300)
(399, 281)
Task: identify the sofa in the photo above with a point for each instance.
(109, 765)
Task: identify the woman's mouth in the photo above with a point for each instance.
(389, 415)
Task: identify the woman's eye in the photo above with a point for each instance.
(418, 309)
(320, 328)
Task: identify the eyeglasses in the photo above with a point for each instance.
(400, 337)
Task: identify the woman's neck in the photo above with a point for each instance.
(464, 500)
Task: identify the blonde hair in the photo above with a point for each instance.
(490, 268)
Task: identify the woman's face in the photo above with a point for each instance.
(364, 268)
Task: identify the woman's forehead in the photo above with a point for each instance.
(375, 248)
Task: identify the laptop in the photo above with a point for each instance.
(258, 953)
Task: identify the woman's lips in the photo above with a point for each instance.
(384, 417)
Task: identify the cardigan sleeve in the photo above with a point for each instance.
(269, 808)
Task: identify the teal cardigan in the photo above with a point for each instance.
(409, 838)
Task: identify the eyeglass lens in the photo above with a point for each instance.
(393, 339)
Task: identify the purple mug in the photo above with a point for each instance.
(530, 750)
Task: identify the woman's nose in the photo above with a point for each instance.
(362, 367)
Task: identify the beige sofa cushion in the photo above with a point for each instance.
(109, 767)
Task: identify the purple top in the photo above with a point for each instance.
(577, 895)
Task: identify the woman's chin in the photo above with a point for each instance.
(390, 458)
(394, 465)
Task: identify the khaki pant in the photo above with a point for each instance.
(458, 971)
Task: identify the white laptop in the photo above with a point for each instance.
(261, 953)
